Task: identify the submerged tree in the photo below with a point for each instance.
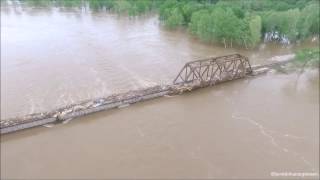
(309, 20)
(284, 22)
(226, 26)
(202, 25)
(255, 26)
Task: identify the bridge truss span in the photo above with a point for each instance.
(214, 70)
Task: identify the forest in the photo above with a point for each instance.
(244, 23)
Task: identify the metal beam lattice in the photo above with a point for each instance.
(213, 70)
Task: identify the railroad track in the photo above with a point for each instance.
(195, 74)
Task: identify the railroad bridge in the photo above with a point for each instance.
(194, 74)
(213, 70)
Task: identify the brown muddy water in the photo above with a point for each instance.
(243, 129)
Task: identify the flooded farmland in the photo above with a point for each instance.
(51, 57)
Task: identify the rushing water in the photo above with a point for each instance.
(245, 129)
(54, 56)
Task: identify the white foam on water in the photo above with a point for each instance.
(268, 134)
(282, 58)
(50, 125)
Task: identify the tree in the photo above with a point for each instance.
(122, 6)
(202, 25)
(255, 30)
(309, 20)
(165, 9)
(226, 26)
(100, 4)
(175, 18)
(284, 22)
(188, 9)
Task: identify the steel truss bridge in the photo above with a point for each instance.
(213, 70)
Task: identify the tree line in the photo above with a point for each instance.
(243, 22)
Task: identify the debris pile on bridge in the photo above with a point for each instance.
(82, 108)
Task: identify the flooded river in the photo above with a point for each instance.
(245, 129)
(55, 56)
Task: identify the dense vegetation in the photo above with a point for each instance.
(243, 22)
(230, 22)
(311, 56)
